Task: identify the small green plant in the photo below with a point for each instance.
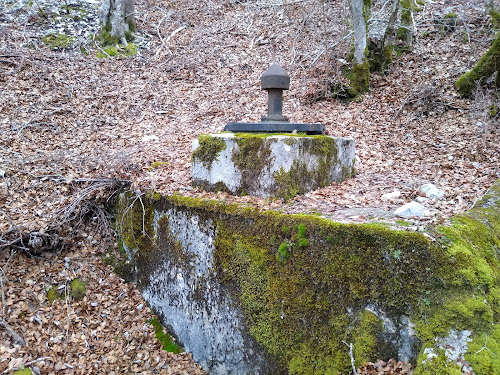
(58, 41)
(302, 230)
(283, 252)
(396, 254)
(403, 223)
(493, 110)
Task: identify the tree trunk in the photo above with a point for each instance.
(484, 69)
(117, 18)
(380, 34)
(360, 80)
(405, 31)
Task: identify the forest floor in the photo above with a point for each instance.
(74, 127)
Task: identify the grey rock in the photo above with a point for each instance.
(412, 209)
(431, 191)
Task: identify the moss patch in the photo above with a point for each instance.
(166, 341)
(76, 288)
(23, 371)
(209, 149)
(360, 77)
(58, 41)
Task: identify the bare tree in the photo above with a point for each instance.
(117, 18)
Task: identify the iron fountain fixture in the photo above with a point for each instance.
(274, 80)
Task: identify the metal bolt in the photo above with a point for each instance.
(275, 80)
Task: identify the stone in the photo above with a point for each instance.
(431, 191)
(389, 196)
(270, 165)
(412, 209)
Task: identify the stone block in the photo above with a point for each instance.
(270, 165)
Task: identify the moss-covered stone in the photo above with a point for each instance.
(302, 300)
(252, 157)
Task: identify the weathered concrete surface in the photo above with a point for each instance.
(273, 165)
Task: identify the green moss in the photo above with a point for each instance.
(403, 223)
(360, 77)
(164, 338)
(299, 324)
(493, 110)
(77, 289)
(58, 41)
(364, 337)
(283, 252)
(299, 179)
(53, 294)
(157, 164)
(495, 18)
(209, 149)
(23, 371)
(379, 58)
(484, 69)
(132, 26)
(439, 365)
(449, 22)
(404, 32)
(135, 221)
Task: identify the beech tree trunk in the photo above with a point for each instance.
(484, 69)
(360, 80)
(117, 18)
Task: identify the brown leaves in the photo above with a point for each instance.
(390, 367)
(105, 332)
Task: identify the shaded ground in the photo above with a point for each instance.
(66, 117)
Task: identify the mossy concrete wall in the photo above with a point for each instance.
(269, 293)
(270, 165)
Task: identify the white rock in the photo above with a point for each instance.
(431, 191)
(421, 199)
(412, 209)
(393, 195)
(150, 138)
